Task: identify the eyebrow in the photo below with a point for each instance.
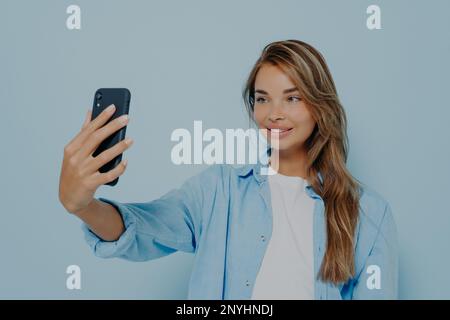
(285, 91)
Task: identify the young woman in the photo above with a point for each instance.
(310, 231)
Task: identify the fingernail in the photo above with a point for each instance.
(128, 141)
(123, 119)
(125, 162)
(110, 107)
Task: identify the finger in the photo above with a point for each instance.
(76, 143)
(87, 119)
(93, 164)
(102, 178)
(101, 134)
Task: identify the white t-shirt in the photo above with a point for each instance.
(287, 270)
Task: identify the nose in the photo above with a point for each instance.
(276, 113)
(276, 118)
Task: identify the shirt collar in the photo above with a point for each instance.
(255, 169)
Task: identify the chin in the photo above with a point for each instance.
(287, 146)
(283, 146)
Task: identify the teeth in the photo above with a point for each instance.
(278, 130)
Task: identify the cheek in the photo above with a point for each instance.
(259, 115)
(304, 122)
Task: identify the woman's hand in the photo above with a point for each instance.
(80, 176)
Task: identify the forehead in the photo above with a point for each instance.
(271, 78)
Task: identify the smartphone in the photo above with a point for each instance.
(104, 97)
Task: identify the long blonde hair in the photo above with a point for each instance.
(327, 149)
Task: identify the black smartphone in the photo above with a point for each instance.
(104, 97)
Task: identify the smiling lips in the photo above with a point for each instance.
(279, 130)
(279, 133)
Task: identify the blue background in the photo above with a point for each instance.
(186, 61)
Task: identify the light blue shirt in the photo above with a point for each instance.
(224, 216)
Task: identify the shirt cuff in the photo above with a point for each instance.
(110, 249)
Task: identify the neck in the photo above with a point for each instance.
(289, 163)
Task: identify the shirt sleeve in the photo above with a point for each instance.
(156, 228)
(379, 277)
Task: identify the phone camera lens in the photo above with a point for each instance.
(98, 96)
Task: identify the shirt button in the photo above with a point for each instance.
(263, 238)
(247, 283)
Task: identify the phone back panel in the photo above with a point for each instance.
(104, 97)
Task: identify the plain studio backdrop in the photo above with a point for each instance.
(188, 60)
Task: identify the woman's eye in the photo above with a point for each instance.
(260, 100)
(294, 99)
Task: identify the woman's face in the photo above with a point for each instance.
(279, 108)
